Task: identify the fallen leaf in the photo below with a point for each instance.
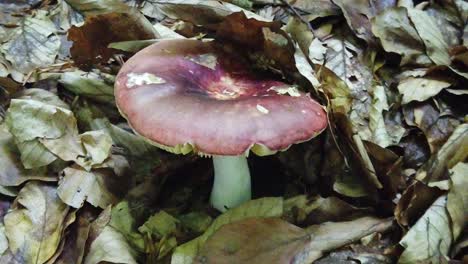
(263, 207)
(12, 171)
(75, 239)
(65, 16)
(452, 152)
(436, 47)
(105, 247)
(396, 34)
(202, 12)
(34, 227)
(331, 235)
(359, 13)
(93, 85)
(436, 126)
(78, 186)
(195, 221)
(97, 145)
(316, 210)
(413, 203)
(420, 89)
(33, 45)
(254, 240)
(430, 238)
(123, 220)
(90, 41)
(136, 145)
(160, 224)
(265, 40)
(97, 7)
(132, 45)
(457, 198)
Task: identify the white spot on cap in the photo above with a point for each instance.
(262, 109)
(135, 79)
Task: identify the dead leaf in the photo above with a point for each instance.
(396, 34)
(436, 47)
(12, 171)
(413, 202)
(264, 207)
(33, 45)
(90, 40)
(78, 186)
(34, 226)
(255, 240)
(263, 39)
(452, 152)
(430, 238)
(457, 198)
(420, 89)
(202, 12)
(105, 247)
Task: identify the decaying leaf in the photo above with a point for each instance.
(420, 89)
(33, 45)
(105, 247)
(452, 152)
(34, 227)
(431, 35)
(97, 7)
(264, 207)
(396, 34)
(270, 240)
(202, 12)
(12, 171)
(254, 240)
(264, 40)
(457, 198)
(430, 238)
(78, 186)
(90, 40)
(93, 85)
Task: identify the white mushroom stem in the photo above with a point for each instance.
(231, 185)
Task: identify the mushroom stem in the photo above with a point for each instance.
(231, 185)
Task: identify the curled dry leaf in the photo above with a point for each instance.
(34, 226)
(90, 41)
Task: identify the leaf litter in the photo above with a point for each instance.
(385, 183)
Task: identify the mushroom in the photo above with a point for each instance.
(191, 96)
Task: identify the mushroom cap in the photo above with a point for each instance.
(188, 95)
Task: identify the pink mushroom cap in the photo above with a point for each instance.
(187, 95)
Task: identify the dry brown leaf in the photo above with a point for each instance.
(90, 41)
